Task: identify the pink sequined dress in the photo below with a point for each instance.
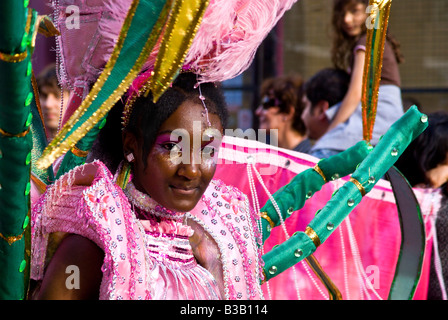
(147, 248)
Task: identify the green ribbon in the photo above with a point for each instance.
(72, 160)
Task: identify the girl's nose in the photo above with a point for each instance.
(191, 168)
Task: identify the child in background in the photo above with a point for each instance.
(348, 53)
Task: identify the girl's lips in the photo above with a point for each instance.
(184, 190)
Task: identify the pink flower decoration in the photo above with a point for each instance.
(101, 203)
(235, 199)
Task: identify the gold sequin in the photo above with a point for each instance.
(12, 239)
(78, 152)
(13, 58)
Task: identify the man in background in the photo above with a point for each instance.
(50, 99)
(323, 94)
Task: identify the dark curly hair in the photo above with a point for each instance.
(344, 44)
(147, 117)
(427, 151)
(286, 89)
(329, 85)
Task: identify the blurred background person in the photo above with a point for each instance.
(51, 101)
(322, 94)
(348, 53)
(425, 165)
(425, 162)
(280, 112)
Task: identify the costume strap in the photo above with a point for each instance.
(369, 171)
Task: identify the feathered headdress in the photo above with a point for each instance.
(118, 39)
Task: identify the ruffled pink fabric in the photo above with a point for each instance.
(146, 259)
(167, 227)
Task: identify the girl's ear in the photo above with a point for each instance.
(130, 144)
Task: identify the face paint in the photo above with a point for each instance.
(182, 161)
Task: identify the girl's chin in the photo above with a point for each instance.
(184, 207)
(181, 202)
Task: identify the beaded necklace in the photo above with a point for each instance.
(145, 203)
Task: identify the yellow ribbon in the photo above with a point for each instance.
(181, 28)
(376, 24)
(62, 143)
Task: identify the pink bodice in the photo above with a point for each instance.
(147, 249)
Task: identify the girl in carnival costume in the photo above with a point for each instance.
(163, 228)
(135, 243)
(90, 217)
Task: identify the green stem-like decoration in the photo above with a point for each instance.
(375, 165)
(17, 24)
(292, 196)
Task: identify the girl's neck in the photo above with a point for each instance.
(147, 204)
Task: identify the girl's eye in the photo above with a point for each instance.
(171, 146)
(209, 150)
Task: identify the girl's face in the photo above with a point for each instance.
(354, 19)
(182, 161)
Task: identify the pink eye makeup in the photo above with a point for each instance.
(168, 142)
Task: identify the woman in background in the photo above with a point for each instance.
(280, 112)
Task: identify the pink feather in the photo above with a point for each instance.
(224, 46)
(226, 42)
(230, 34)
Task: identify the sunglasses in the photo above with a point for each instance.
(268, 103)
